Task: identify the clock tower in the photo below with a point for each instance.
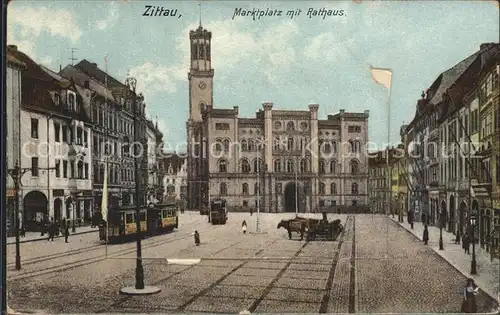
(200, 73)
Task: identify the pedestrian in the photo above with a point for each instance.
(66, 231)
(51, 230)
(469, 293)
(244, 227)
(457, 238)
(196, 238)
(251, 211)
(466, 243)
(426, 235)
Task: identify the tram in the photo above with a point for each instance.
(154, 220)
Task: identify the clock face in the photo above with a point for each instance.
(202, 85)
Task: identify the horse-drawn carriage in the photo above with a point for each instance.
(314, 229)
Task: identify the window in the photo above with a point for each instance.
(244, 189)
(80, 170)
(244, 146)
(321, 188)
(256, 189)
(333, 166)
(218, 126)
(290, 166)
(290, 144)
(245, 203)
(222, 166)
(258, 166)
(303, 166)
(57, 131)
(79, 136)
(251, 145)
(57, 99)
(322, 167)
(226, 145)
(65, 169)
(86, 171)
(58, 168)
(245, 166)
(71, 101)
(276, 143)
(354, 189)
(498, 168)
(277, 165)
(354, 166)
(333, 188)
(34, 166)
(34, 128)
(335, 147)
(327, 148)
(65, 134)
(218, 145)
(354, 203)
(290, 126)
(72, 169)
(223, 189)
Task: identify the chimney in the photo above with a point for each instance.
(86, 84)
(94, 64)
(13, 47)
(485, 45)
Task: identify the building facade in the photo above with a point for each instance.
(55, 147)
(175, 179)
(13, 89)
(279, 160)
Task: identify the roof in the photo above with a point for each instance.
(12, 59)
(80, 77)
(96, 73)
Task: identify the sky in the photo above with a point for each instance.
(290, 61)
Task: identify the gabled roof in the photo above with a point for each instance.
(12, 59)
(80, 78)
(174, 161)
(93, 71)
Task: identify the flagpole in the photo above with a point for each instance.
(105, 157)
(389, 142)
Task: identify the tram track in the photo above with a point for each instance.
(90, 260)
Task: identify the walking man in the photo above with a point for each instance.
(466, 243)
(425, 237)
(66, 231)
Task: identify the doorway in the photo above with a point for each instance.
(290, 197)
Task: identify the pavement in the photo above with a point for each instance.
(488, 269)
(35, 236)
(376, 266)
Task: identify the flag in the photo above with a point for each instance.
(382, 76)
(104, 202)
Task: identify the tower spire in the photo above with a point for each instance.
(200, 13)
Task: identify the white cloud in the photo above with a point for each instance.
(31, 22)
(46, 61)
(327, 47)
(153, 78)
(111, 18)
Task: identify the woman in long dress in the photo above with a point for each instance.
(470, 292)
(244, 227)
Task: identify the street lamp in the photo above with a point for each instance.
(441, 247)
(139, 288)
(473, 270)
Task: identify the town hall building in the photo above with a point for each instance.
(277, 161)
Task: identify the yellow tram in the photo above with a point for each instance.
(154, 220)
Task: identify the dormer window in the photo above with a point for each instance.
(71, 101)
(57, 99)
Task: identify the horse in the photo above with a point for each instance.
(293, 225)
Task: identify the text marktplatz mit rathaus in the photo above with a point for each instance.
(257, 14)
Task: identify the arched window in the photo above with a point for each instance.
(290, 144)
(245, 166)
(354, 166)
(258, 166)
(302, 143)
(335, 147)
(244, 189)
(290, 126)
(333, 188)
(223, 189)
(303, 165)
(226, 145)
(351, 146)
(277, 165)
(276, 143)
(333, 166)
(322, 167)
(222, 166)
(251, 145)
(290, 167)
(327, 148)
(259, 144)
(244, 145)
(71, 101)
(354, 189)
(80, 169)
(321, 188)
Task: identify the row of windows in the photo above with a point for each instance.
(322, 189)
(77, 170)
(321, 203)
(62, 132)
(112, 121)
(290, 166)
